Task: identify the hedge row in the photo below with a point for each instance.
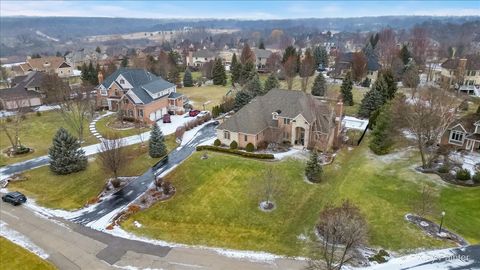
(235, 152)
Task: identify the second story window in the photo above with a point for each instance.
(245, 138)
(286, 121)
(122, 81)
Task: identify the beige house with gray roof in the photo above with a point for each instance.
(284, 116)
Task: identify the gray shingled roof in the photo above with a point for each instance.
(31, 80)
(372, 61)
(262, 53)
(142, 81)
(204, 54)
(257, 115)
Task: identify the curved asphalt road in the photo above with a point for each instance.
(137, 187)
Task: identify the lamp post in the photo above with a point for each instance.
(441, 222)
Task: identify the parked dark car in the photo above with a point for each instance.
(15, 198)
(193, 113)
(166, 118)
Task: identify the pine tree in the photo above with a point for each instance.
(241, 99)
(65, 154)
(391, 84)
(262, 45)
(321, 56)
(313, 170)
(235, 69)
(174, 75)
(156, 144)
(187, 78)
(124, 62)
(271, 83)
(254, 86)
(248, 71)
(373, 99)
(319, 87)
(382, 141)
(405, 55)
(346, 90)
(98, 50)
(219, 75)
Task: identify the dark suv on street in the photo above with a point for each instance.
(15, 198)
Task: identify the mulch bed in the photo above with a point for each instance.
(448, 177)
(431, 229)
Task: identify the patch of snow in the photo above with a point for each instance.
(191, 134)
(289, 153)
(423, 224)
(468, 160)
(44, 108)
(6, 114)
(409, 135)
(137, 224)
(350, 122)
(21, 240)
(435, 259)
(46, 36)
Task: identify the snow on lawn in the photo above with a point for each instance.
(44, 108)
(430, 260)
(350, 122)
(21, 240)
(289, 153)
(469, 160)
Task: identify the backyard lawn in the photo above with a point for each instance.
(37, 132)
(13, 256)
(200, 95)
(74, 190)
(107, 132)
(216, 205)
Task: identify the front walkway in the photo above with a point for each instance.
(93, 125)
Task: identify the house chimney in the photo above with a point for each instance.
(100, 77)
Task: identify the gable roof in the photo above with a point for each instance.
(372, 62)
(261, 53)
(467, 122)
(141, 81)
(46, 63)
(19, 90)
(473, 62)
(257, 115)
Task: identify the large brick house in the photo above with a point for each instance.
(140, 94)
(284, 116)
(464, 133)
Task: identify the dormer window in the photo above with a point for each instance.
(122, 81)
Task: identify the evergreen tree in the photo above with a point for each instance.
(124, 62)
(313, 170)
(320, 55)
(346, 90)
(235, 69)
(382, 141)
(98, 50)
(187, 78)
(241, 99)
(254, 86)
(405, 55)
(219, 75)
(248, 71)
(373, 99)
(289, 51)
(391, 84)
(262, 45)
(65, 154)
(319, 87)
(85, 76)
(156, 145)
(271, 83)
(174, 75)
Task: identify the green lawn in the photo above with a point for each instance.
(200, 95)
(214, 204)
(74, 190)
(13, 256)
(108, 132)
(37, 132)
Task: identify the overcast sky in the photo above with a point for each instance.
(237, 9)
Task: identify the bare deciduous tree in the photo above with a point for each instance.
(290, 69)
(426, 202)
(112, 157)
(77, 110)
(268, 188)
(427, 117)
(12, 127)
(359, 66)
(274, 63)
(341, 229)
(387, 47)
(307, 69)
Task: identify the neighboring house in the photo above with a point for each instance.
(463, 74)
(344, 65)
(51, 65)
(261, 57)
(284, 116)
(140, 94)
(84, 56)
(199, 58)
(25, 92)
(464, 133)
